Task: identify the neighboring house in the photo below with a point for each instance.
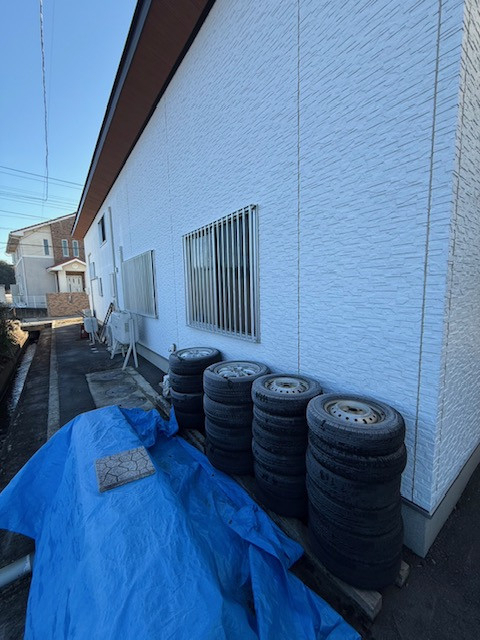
(46, 260)
(298, 183)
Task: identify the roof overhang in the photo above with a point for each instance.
(12, 242)
(160, 35)
(68, 263)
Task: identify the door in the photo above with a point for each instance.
(74, 284)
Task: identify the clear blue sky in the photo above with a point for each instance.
(83, 45)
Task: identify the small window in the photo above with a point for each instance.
(65, 248)
(221, 275)
(100, 287)
(101, 230)
(46, 248)
(139, 284)
(76, 251)
(93, 275)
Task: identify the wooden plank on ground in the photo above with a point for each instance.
(309, 569)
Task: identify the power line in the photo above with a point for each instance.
(55, 246)
(14, 191)
(24, 215)
(51, 180)
(39, 175)
(36, 201)
(42, 47)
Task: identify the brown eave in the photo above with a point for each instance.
(159, 37)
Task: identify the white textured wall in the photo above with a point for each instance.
(338, 120)
(31, 243)
(459, 409)
(39, 281)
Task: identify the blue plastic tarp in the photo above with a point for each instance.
(184, 553)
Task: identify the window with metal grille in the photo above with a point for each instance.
(139, 284)
(221, 275)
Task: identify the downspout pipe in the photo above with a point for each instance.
(16, 570)
(115, 283)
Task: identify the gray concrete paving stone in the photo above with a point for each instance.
(120, 468)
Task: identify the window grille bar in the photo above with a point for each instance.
(229, 290)
(197, 282)
(232, 272)
(252, 286)
(238, 274)
(224, 283)
(244, 247)
(211, 271)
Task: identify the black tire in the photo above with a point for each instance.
(282, 426)
(284, 394)
(363, 495)
(357, 467)
(379, 547)
(228, 438)
(231, 381)
(186, 384)
(350, 518)
(350, 431)
(190, 420)
(193, 361)
(239, 415)
(355, 572)
(296, 507)
(287, 465)
(187, 402)
(278, 445)
(237, 463)
(280, 485)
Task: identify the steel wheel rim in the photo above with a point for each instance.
(194, 352)
(287, 385)
(348, 410)
(237, 369)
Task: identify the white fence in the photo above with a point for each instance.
(30, 302)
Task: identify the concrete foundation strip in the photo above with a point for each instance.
(53, 420)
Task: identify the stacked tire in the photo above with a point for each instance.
(229, 412)
(186, 384)
(355, 458)
(280, 440)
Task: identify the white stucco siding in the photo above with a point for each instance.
(374, 207)
(459, 410)
(220, 140)
(32, 243)
(101, 255)
(38, 280)
(339, 122)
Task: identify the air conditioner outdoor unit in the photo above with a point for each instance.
(123, 327)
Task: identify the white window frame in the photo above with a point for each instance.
(102, 233)
(138, 282)
(91, 268)
(221, 276)
(46, 247)
(75, 248)
(65, 249)
(100, 287)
